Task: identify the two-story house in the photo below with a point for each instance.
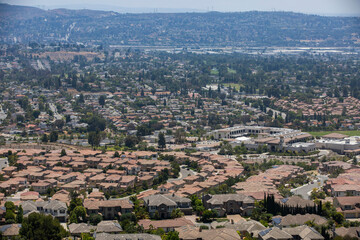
(230, 203)
(348, 206)
(163, 205)
(53, 207)
(345, 190)
(109, 209)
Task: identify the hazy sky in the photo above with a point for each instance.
(322, 7)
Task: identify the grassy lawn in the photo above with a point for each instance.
(233, 85)
(231, 71)
(322, 133)
(214, 71)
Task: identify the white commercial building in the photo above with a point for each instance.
(350, 145)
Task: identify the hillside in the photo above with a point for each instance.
(27, 24)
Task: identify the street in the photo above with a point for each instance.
(53, 108)
(305, 190)
(184, 172)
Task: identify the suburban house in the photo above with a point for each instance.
(165, 204)
(108, 227)
(190, 232)
(353, 232)
(135, 236)
(345, 190)
(251, 227)
(110, 209)
(230, 203)
(10, 231)
(296, 201)
(298, 219)
(303, 233)
(167, 224)
(348, 206)
(274, 233)
(76, 229)
(53, 207)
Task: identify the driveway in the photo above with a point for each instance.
(306, 189)
(236, 218)
(191, 218)
(17, 195)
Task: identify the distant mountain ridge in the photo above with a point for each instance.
(20, 12)
(29, 24)
(104, 7)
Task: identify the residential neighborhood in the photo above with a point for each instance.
(178, 126)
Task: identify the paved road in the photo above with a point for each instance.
(305, 190)
(183, 173)
(53, 108)
(3, 114)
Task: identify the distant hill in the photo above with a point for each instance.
(29, 24)
(19, 12)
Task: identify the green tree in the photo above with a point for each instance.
(59, 124)
(130, 141)
(156, 215)
(12, 158)
(10, 206)
(197, 204)
(173, 235)
(41, 227)
(176, 213)
(94, 139)
(10, 212)
(128, 223)
(102, 100)
(20, 215)
(2, 140)
(81, 98)
(86, 236)
(63, 153)
(74, 198)
(159, 232)
(20, 118)
(208, 215)
(44, 138)
(338, 218)
(180, 135)
(94, 219)
(139, 210)
(36, 113)
(76, 210)
(161, 141)
(53, 136)
(116, 154)
(78, 215)
(9, 217)
(95, 123)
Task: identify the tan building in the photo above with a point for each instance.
(348, 206)
(230, 203)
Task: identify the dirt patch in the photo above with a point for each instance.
(68, 56)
